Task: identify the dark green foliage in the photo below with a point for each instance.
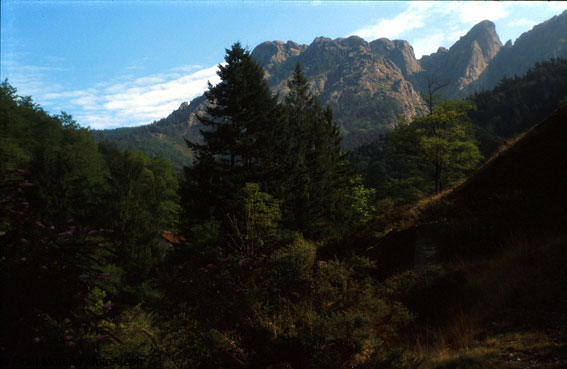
(276, 308)
(68, 212)
(53, 274)
(510, 108)
(242, 119)
(141, 203)
(441, 144)
(263, 174)
(316, 175)
(165, 137)
(419, 158)
(263, 277)
(517, 103)
(61, 157)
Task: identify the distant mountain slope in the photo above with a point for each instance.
(368, 84)
(164, 137)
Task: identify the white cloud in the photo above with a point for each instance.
(522, 22)
(556, 5)
(411, 18)
(472, 12)
(428, 25)
(127, 103)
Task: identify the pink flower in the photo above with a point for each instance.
(68, 338)
(84, 276)
(52, 228)
(219, 249)
(36, 340)
(180, 267)
(43, 268)
(23, 240)
(210, 266)
(104, 276)
(23, 260)
(100, 244)
(70, 220)
(21, 171)
(72, 366)
(39, 224)
(228, 258)
(93, 232)
(26, 204)
(70, 343)
(241, 262)
(26, 184)
(204, 270)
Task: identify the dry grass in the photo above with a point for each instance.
(513, 320)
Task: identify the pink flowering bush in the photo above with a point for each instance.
(46, 271)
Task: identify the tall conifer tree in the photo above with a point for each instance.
(319, 176)
(242, 122)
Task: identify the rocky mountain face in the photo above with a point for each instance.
(545, 41)
(368, 83)
(363, 82)
(465, 61)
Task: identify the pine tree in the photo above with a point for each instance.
(318, 174)
(242, 121)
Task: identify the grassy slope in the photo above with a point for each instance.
(498, 299)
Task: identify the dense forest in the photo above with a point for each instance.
(270, 251)
(492, 118)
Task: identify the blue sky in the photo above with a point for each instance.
(126, 63)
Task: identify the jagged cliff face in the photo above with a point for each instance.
(545, 41)
(368, 84)
(466, 60)
(352, 76)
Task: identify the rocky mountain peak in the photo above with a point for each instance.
(484, 34)
(400, 52)
(353, 42)
(466, 60)
(270, 53)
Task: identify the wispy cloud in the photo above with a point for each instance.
(412, 18)
(557, 5)
(427, 25)
(127, 103)
(522, 22)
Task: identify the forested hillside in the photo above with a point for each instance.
(495, 117)
(278, 252)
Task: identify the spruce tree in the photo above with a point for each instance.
(242, 120)
(318, 173)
